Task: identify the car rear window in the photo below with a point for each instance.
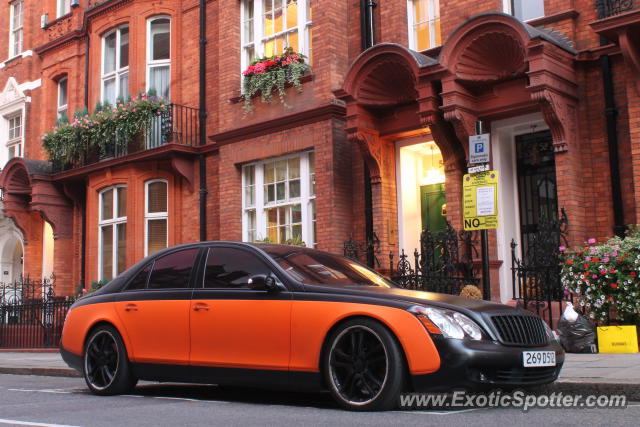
(173, 270)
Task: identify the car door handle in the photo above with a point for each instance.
(131, 307)
(200, 306)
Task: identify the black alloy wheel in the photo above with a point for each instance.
(364, 366)
(106, 368)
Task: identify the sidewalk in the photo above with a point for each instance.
(581, 373)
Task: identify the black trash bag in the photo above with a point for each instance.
(578, 336)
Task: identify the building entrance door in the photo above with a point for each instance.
(433, 204)
(537, 188)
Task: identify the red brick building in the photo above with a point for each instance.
(376, 141)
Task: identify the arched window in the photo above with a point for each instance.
(112, 231)
(156, 216)
(16, 21)
(63, 7)
(159, 56)
(63, 99)
(115, 65)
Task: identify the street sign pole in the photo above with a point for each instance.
(484, 241)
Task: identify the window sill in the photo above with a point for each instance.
(304, 79)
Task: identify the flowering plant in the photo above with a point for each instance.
(604, 278)
(274, 72)
(70, 141)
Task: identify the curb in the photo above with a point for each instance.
(46, 372)
(630, 390)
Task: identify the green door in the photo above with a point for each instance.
(432, 200)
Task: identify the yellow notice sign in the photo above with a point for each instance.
(480, 200)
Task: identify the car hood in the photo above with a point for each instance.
(479, 310)
(416, 297)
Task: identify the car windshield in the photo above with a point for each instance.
(316, 267)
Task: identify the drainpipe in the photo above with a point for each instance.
(367, 37)
(202, 123)
(83, 201)
(611, 114)
(366, 23)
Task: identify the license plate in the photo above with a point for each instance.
(538, 358)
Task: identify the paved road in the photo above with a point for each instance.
(34, 400)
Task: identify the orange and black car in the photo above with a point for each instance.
(275, 315)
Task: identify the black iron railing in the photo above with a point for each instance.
(364, 251)
(445, 263)
(608, 8)
(31, 315)
(536, 277)
(178, 124)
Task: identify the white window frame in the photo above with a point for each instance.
(63, 8)
(411, 23)
(154, 215)
(63, 108)
(159, 62)
(119, 72)
(507, 7)
(16, 142)
(305, 200)
(16, 34)
(303, 29)
(113, 223)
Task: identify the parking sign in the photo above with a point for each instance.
(479, 149)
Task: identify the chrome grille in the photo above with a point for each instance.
(520, 330)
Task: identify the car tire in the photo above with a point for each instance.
(105, 365)
(363, 366)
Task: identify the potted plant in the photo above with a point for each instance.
(275, 73)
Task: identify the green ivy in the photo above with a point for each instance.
(267, 74)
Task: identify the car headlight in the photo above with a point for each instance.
(450, 324)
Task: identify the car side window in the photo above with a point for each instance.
(173, 270)
(140, 281)
(232, 268)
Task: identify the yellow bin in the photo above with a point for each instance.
(617, 339)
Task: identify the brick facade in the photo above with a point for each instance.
(559, 80)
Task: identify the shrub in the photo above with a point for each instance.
(604, 278)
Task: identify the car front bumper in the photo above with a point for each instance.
(485, 364)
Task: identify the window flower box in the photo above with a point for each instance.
(276, 73)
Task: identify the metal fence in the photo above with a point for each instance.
(31, 316)
(444, 263)
(608, 8)
(178, 124)
(536, 276)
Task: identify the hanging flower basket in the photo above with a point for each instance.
(266, 75)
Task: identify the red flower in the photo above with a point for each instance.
(586, 265)
(569, 262)
(614, 285)
(613, 270)
(609, 298)
(632, 274)
(595, 259)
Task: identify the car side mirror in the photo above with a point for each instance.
(262, 282)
